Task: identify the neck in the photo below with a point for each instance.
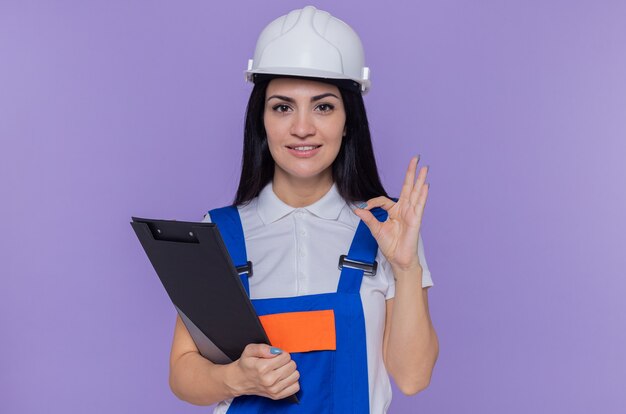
(301, 192)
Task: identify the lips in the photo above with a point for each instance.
(304, 147)
(303, 151)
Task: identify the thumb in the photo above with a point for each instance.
(261, 351)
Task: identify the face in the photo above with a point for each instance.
(305, 123)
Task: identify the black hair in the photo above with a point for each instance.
(354, 170)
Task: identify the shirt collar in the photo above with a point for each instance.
(271, 208)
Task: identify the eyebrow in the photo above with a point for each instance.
(313, 98)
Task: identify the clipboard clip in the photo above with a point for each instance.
(369, 269)
(247, 268)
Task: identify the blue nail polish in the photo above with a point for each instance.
(275, 351)
(361, 205)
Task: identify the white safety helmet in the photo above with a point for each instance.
(310, 43)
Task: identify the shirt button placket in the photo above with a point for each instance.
(300, 276)
(302, 253)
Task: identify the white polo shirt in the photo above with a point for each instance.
(295, 252)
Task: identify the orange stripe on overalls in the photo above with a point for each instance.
(301, 331)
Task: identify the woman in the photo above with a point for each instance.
(307, 166)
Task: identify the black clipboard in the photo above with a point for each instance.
(197, 272)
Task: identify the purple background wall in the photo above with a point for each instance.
(110, 109)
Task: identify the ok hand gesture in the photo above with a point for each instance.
(398, 236)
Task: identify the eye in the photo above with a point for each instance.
(325, 107)
(280, 108)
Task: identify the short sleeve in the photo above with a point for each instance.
(207, 219)
(427, 280)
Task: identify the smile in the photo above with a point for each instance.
(304, 151)
(305, 148)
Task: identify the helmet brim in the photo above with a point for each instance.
(258, 75)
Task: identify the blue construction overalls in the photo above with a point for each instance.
(331, 380)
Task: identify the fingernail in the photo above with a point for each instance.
(361, 205)
(418, 157)
(275, 351)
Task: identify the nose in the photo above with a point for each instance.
(302, 125)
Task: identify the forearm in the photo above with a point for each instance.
(412, 346)
(198, 381)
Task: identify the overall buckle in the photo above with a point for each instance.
(247, 268)
(369, 269)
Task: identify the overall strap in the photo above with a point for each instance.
(363, 249)
(229, 224)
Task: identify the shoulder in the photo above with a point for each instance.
(248, 214)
